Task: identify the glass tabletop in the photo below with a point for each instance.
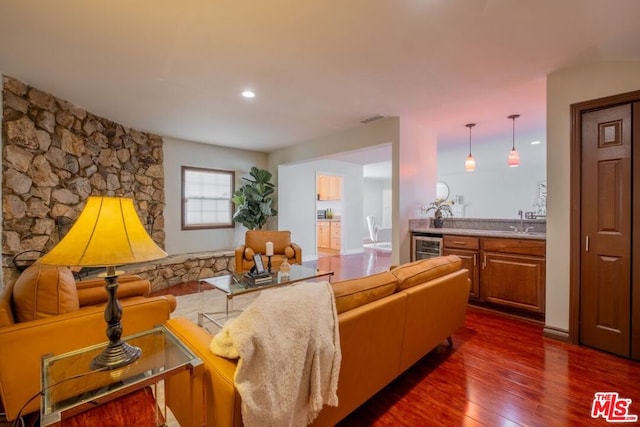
(70, 386)
(236, 283)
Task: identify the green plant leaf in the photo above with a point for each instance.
(253, 204)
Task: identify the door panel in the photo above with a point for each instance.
(514, 280)
(470, 262)
(605, 289)
(635, 264)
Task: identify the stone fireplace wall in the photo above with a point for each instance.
(55, 155)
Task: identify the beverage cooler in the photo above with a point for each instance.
(424, 247)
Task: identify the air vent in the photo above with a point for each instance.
(372, 119)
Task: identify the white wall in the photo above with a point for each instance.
(385, 131)
(414, 154)
(414, 167)
(297, 204)
(380, 132)
(494, 190)
(178, 153)
(566, 87)
(372, 201)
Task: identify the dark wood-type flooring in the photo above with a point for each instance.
(500, 372)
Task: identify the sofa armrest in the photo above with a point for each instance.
(222, 401)
(298, 252)
(239, 257)
(23, 344)
(92, 291)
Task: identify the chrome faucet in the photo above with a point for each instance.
(522, 229)
(521, 220)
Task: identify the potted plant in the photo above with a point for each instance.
(441, 208)
(253, 200)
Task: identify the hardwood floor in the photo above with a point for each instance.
(351, 266)
(500, 372)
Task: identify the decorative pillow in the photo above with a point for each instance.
(6, 312)
(248, 254)
(353, 293)
(44, 291)
(417, 272)
(289, 252)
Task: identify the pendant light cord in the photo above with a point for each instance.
(470, 125)
(513, 118)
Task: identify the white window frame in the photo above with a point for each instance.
(199, 189)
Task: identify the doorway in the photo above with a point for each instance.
(605, 281)
(329, 189)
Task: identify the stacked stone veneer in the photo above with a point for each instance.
(183, 268)
(55, 155)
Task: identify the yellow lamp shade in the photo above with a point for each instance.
(107, 232)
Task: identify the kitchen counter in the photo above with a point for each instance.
(506, 268)
(329, 219)
(479, 233)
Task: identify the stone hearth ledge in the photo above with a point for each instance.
(179, 268)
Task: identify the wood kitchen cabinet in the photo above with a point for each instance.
(336, 235)
(329, 187)
(324, 234)
(329, 235)
(513, 273)
(468, 250)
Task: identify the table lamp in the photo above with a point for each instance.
(107, 233)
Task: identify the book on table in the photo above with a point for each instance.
(258, 279)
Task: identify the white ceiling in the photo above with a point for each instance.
(176, 68)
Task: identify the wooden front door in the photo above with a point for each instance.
(606, 216)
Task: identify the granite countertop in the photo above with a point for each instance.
(481, 233)
(334, 219)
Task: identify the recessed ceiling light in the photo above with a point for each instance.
(535, 142)
(248, 94)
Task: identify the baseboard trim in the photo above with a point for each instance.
(554, 333)
(353, 251)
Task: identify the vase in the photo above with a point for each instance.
(285, 268)
(438, 222)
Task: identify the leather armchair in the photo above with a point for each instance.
(255, 242)
(79, 325)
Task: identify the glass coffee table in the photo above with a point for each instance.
(235, 284)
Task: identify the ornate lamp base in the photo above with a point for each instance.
(116, 355)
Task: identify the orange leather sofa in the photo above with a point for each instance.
(46, 311)
(255, 243)
(387, 321)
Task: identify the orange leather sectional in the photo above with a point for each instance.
(387, 322)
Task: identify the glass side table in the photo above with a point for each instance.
(71, 387)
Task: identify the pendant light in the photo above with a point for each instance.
(470, 163)
(514, 158)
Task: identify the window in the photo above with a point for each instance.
(206, 198)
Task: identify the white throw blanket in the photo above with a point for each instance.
(288, 344)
